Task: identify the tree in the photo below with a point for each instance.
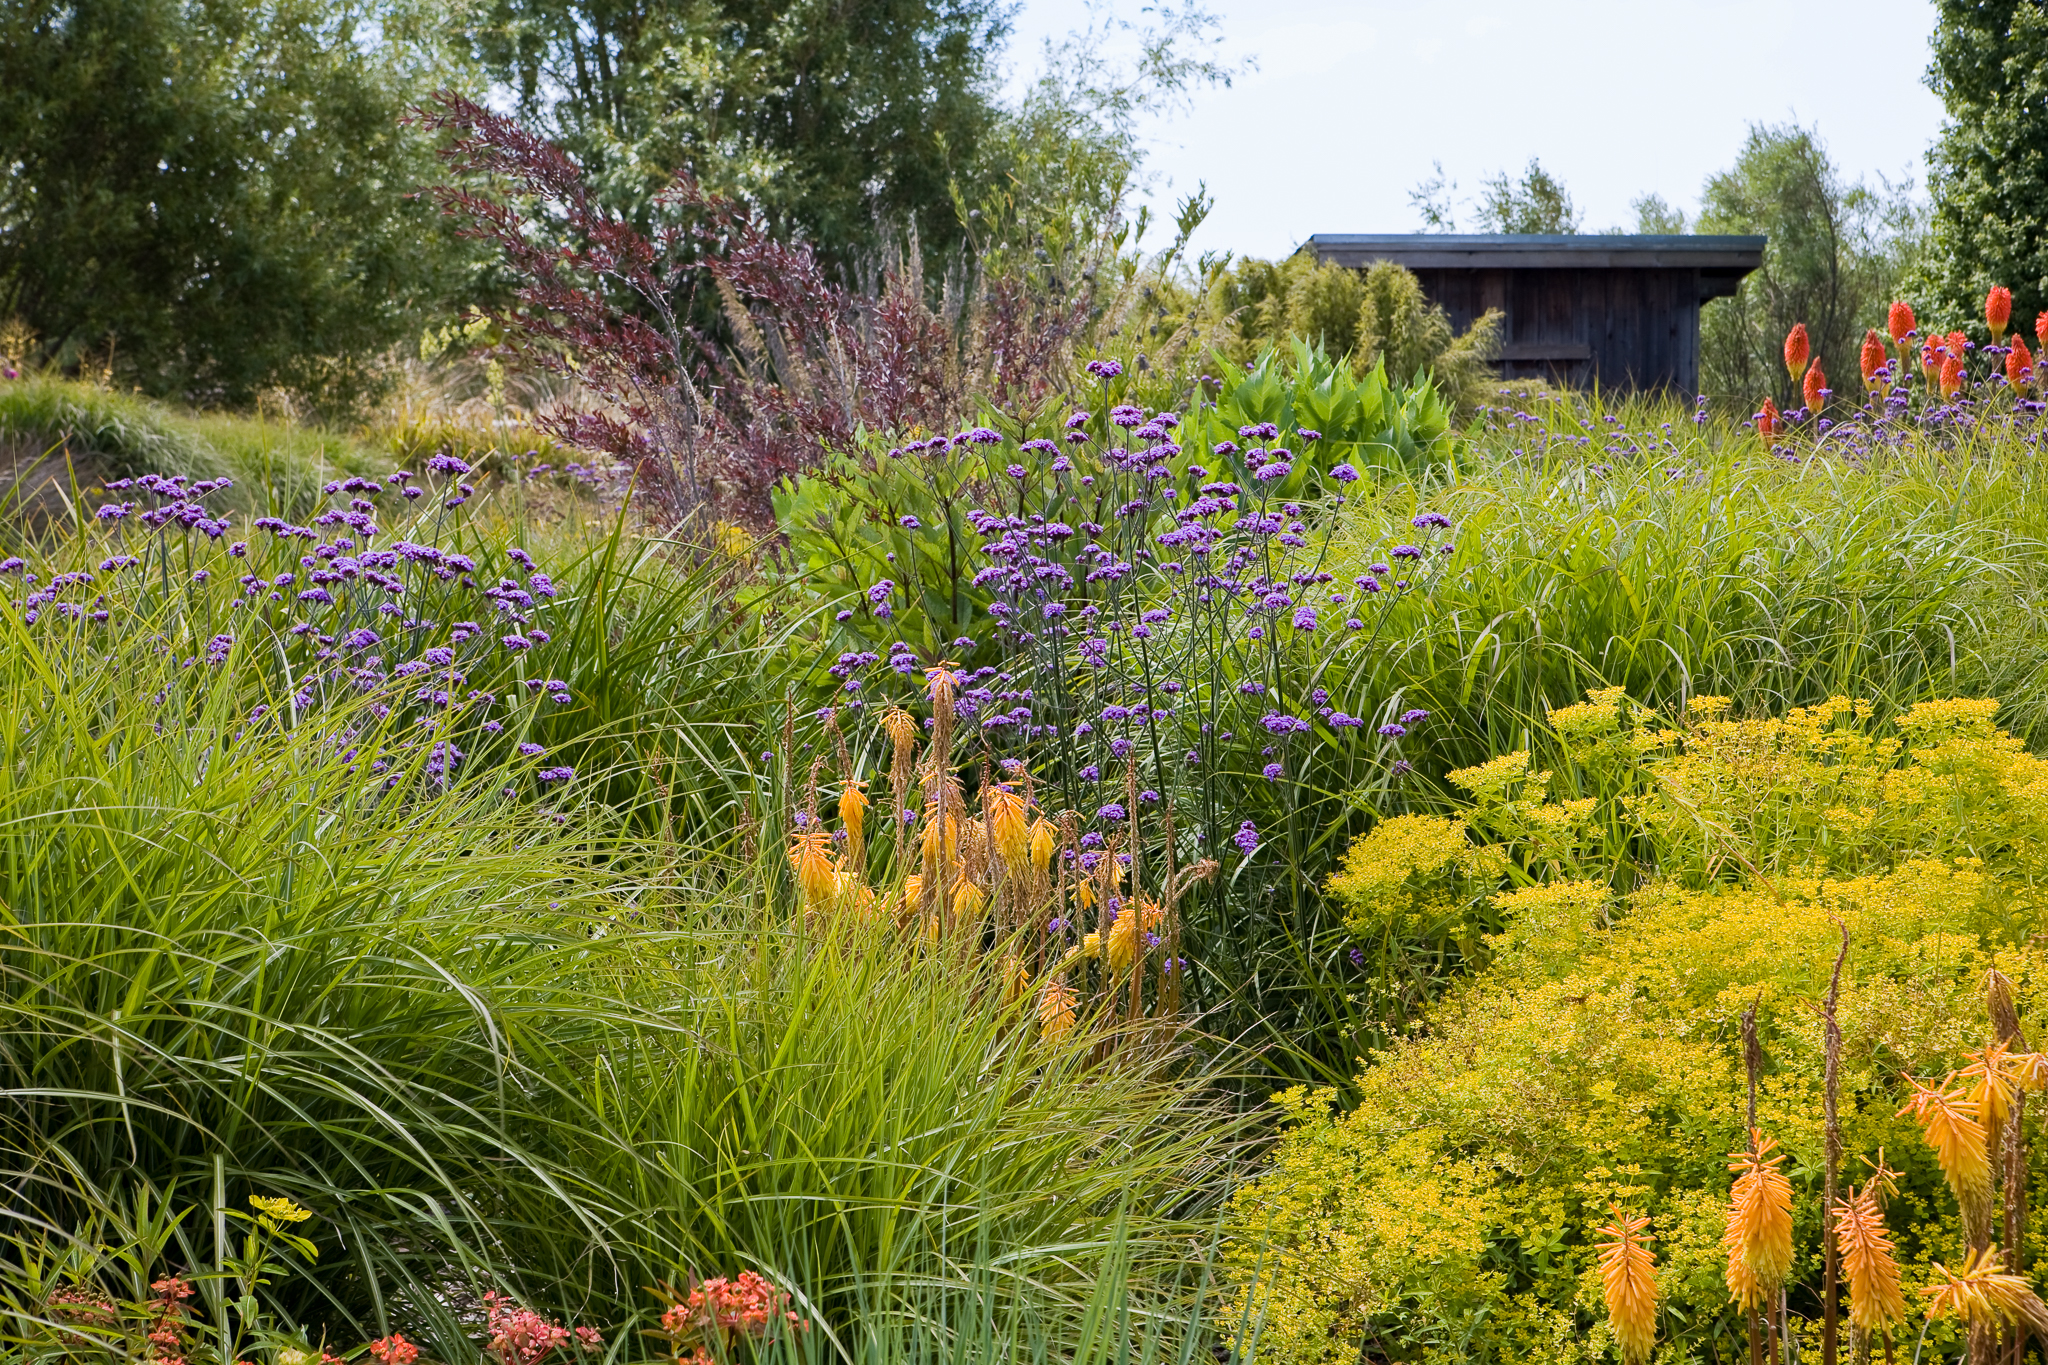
(1988, 172)
(825, 115)
(1537, 203)
(215, 193)
(1834, 255)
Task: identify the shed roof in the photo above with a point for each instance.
(1497, 251)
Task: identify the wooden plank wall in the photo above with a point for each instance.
(1621, 329)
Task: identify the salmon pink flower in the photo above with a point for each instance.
(1998, 311)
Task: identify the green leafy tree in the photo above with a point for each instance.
(1537, 203)
(213, 195)
(826, 115)
(1989, 169)
(1835, 254)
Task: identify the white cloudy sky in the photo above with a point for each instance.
(1352, 101)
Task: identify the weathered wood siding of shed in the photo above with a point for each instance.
(1633, 329)
(1619, 311)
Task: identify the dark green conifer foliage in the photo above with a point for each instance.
(1989, 170)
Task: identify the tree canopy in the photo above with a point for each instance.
(211, 196)
(1989, 168)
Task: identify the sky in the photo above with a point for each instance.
(1352, 101)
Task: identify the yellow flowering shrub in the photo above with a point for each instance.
(1448, 1212)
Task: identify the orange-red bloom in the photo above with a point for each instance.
(1998, 311)
(1816, 382)
(1951, 375)
(1797, 349)
(1767, 420)
(2019, 363)
(1900, 322)
(2041, 329)
(1872, 359)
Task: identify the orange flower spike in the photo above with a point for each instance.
(811, 859)
(2041, 330)
(1951, 376)
(1998, 311)
(1983, 1294)
(1899, 322)
(1758, 1238)
(1868, 1263)
(1797, 350)
(1767, 420)
(1949, 1123)
(1814, 388)
(1872, 359)
(1930, 362)
(2019, 364)
(1628, 1277)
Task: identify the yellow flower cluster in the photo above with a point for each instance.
(1596, 1058)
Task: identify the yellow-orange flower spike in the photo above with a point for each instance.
(1628, 1276)
(968, 899)
(1998, 311)
(1949, 1123)
(853, 805)
(1009, 827)
(1055, 1011)
(1758, 1238)
(1137, 919)
(1797, 349)
(1995, 1072)
(1044, 843)
(1875, 1303)
(811, 858)
(1983, 1294)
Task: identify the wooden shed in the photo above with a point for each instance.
(1620, 311)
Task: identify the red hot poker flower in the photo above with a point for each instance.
(2041, 329)
(2019, 363)
(1816, 382)
(1951, 375)
(1998, 310)
(1899, 322)
(1797, 349)
(1767, 420)
(1872, 359)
